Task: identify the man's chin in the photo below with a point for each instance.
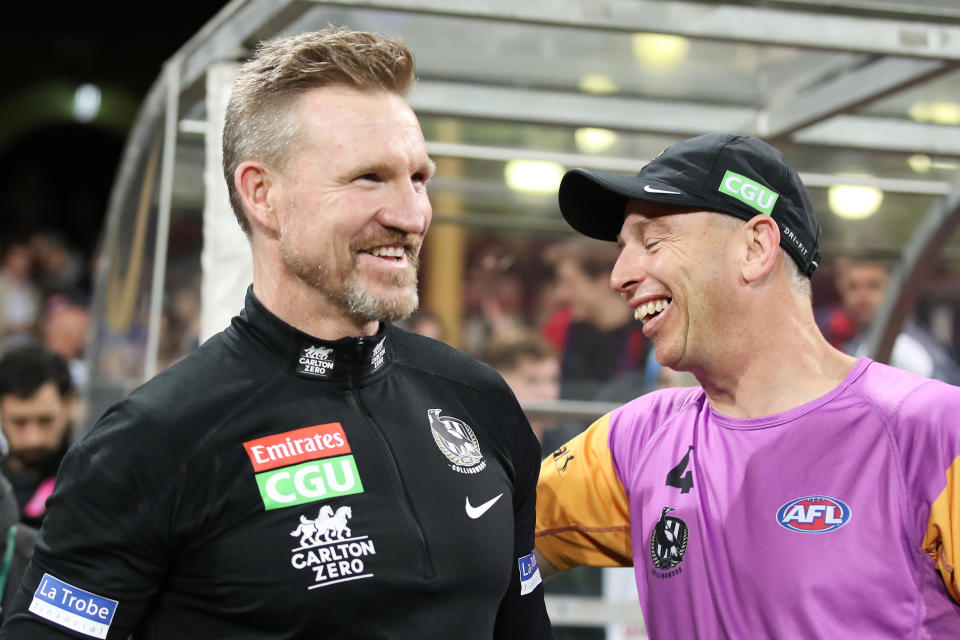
(387, 306)
(666, 357)
(32, 458)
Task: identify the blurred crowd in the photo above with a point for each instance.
(541, 313)
(45, 288)
(544, 316)
(45, 291)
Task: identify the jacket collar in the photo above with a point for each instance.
(344, 360)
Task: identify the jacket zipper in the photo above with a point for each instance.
(426, 561)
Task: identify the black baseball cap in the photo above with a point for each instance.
(738, 175)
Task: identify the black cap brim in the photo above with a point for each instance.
(593, 202)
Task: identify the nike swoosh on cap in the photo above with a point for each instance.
(476, 512)
(650, 189)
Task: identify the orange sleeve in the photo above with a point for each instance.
(942, 540)
(583, 517)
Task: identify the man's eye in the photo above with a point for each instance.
(369, 176)
(651, 245)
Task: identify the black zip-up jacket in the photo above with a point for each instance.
(272, 485)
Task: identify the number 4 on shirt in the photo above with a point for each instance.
(677, 478)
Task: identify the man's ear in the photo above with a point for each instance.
(254, 182)
(761, 236)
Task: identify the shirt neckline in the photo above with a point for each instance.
(777, 419)
(348, 359)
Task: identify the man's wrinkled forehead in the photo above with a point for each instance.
(649, 212)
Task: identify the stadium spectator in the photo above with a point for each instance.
(59, 268)
(16, 545)
(180, 324)
(597, 339)
(19, 297)
(494, 297)
(64, 331)
(37, 413)
(426, 323)
(862, 285)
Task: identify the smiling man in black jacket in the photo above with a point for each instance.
(312, 471)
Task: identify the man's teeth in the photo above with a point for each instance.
(388, 252)
(646, 310)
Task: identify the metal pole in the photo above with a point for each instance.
(906, 282)
(167, 166)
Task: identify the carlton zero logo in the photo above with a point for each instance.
(330, 549)
(379, 352)
(303, 465)
(457, 442)
(813, 514)
(315, 361)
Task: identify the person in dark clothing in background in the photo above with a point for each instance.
(37, 403)
(863, 284)
(600, 345)
(16, 546)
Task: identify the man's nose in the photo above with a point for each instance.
(627, 272)
(408, 210)
(33, 436)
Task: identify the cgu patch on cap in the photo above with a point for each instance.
(813, 514)
(753, 194)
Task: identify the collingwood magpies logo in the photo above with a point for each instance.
(668, 543)
(457, 442)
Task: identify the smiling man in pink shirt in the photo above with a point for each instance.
(798, 492)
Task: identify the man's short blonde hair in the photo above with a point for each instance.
(258, 122)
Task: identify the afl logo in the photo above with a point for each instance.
(814, 514)
(457, 442)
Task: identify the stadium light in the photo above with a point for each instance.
(854, 202)
(86, 102)
(593, 139)
(533, 175)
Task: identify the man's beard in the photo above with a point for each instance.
(38, 462)
(362, 305)
(34, 457)
(347, 291)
